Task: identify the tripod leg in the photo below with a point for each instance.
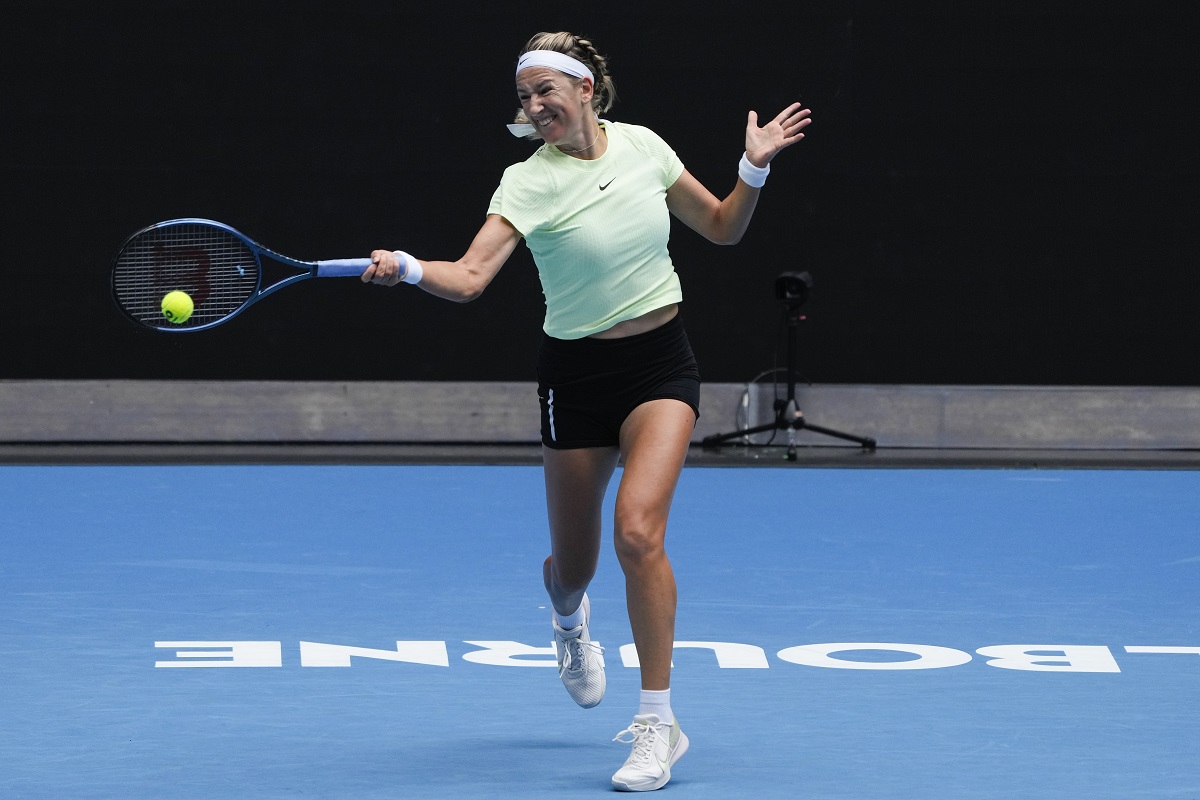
(866, 442)
(717, 438)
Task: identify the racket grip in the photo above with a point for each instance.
(342, 267)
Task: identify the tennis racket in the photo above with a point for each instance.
(218, 267)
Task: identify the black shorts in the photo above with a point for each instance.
(588, 387)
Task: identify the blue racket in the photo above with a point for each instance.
(219, 268)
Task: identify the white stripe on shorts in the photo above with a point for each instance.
(550, 408)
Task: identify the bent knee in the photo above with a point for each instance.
(639, 537)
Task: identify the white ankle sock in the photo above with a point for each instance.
(657, 702)
(573, 620)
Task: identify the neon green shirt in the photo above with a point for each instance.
(597, 229)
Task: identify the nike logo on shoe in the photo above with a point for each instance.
(605, 186)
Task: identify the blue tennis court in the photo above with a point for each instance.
(382, 632)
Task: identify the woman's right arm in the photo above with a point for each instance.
(462, 280)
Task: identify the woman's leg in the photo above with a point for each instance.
(576, 481)
(575, 485)
(654, 441)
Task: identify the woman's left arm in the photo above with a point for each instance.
(725, 221)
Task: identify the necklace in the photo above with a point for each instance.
(583, 149)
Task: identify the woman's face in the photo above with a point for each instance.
(558, 106)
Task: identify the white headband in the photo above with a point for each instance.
(556, 60)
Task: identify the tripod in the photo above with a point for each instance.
(792, 288)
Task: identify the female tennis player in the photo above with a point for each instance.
(616, 375)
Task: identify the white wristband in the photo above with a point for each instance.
(413, 272)
(752, 175)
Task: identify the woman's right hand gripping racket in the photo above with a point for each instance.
(218, 268)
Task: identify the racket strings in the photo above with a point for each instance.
(217, 269)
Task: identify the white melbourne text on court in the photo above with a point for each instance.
(728, 655)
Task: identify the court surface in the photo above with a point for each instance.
(225, 631)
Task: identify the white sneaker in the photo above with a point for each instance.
(580, 661)
(656, 748)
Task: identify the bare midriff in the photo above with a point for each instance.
(646, 322)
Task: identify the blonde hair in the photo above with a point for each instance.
(604, 93)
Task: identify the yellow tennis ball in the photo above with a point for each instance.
(177, 307)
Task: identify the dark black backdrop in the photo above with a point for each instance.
(990, 192)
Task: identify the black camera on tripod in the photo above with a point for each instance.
(793, 288)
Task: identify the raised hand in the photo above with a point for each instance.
(763, 144)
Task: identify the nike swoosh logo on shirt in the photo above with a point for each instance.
(605, 186)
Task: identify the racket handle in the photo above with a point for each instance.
(342, 267)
